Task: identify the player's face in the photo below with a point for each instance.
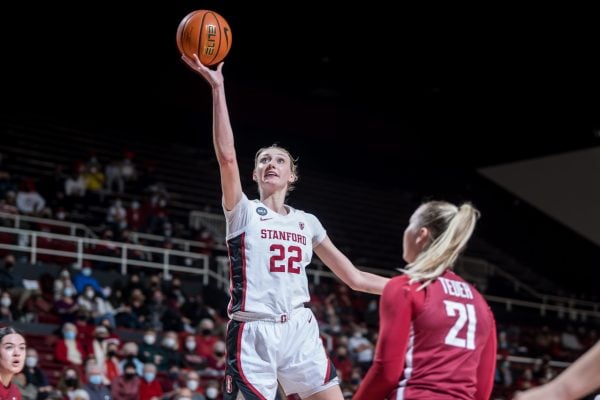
(273, 167)
(12, 353)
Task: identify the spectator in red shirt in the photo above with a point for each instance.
(150, 388)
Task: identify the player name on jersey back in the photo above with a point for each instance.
(456, 288)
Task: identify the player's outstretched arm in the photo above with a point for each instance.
(343, 268)
(579, 379)
(222, 132)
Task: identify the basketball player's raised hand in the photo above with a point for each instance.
(213, 76)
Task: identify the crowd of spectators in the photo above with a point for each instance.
(180, 347)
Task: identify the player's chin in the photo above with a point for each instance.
(16, 366)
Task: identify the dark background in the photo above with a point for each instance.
(406, 98)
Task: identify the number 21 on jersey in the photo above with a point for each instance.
(465, 315)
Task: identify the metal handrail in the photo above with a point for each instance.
(72, 226)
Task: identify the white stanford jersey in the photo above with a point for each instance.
(268, 254)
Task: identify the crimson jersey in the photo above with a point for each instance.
(435, 343)
(10, 392)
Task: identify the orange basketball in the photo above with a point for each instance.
(205, 33)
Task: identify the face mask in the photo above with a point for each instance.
(69, 335)
(190, 345)
(212, 392)
(169, 342)
(31, 361)
(129, 375)
(206, 332)
(71, 382)
(5, 301)
(192, 385)
(68, 292)
(87, 271)
(111, 353)
(95, 379)
(149, 376)
(149, 339)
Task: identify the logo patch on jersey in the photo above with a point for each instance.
(301, 225)
(228, 385)
(261, 211)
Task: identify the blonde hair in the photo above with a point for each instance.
(293, 162)
(450, 228)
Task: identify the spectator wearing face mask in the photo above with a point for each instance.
(206, 337)
(126, 386)
(129, 354)
(69, 350)
(66, 307)
(68, 382)
(192, 384)
(97, 347)
(111, 362)
(35, 375)
(150, 388)
(171, 381)
(95, 386)
(212, 390)
(6, 314)
(150, 352)
(192, 359)
(96, 306)
(85, 278)
(170, 351)
(63, 281)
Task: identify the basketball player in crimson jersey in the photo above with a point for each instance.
(12, 361)
(437, 334)
(271, 336)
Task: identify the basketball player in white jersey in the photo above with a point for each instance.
(271, 337)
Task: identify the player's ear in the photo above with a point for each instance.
(423, 235)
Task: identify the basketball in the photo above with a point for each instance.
(205, 33)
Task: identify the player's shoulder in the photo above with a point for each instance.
(298, 213)
(399, 281)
